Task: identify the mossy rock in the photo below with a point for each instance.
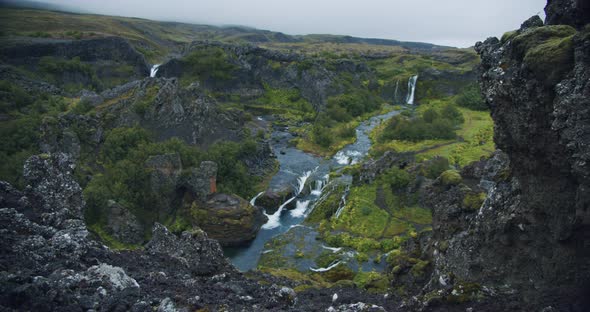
(474, 201)
(451, 177)
(551, 59)
(547, 51)
(533, 37)
(508, 36)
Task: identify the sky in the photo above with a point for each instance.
(458, 23)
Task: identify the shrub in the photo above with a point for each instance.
(417, 129)
(451, 177)
(209, 63)
(430, 115)
(435, 167)
(471, 98)
(397, 178)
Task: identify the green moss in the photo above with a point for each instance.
(451, 177)
(464, 292)
(142, 105)
(109, 240)
(547, 51)
(474, 201)
(508, 36)
(339, 273)
(372, 281)
(418, 270)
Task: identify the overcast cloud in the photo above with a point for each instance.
(447, 22)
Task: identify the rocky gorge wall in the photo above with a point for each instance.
(526, 247)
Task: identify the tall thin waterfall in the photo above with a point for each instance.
(154, 70)
(411, 89)
(396, 93)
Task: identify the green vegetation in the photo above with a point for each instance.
(473, 201)
(125, 178)
(451, 177)
(433, 124)
(208, 65)
(20, 133)
(473, 137)
(547, 51)
(471, 98)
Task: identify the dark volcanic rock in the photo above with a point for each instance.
(123, 225)
(525, 248)
(568, 12)
(169, 110)
(54, 194)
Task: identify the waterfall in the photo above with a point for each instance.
(396, 93)
(274, 219)
(253, 200)
(319, 186)
(154, 70)
(300, 209)
(342, 202)
(411, 89)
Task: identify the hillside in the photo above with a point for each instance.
(156, 40)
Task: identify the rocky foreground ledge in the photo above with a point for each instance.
(51, 262)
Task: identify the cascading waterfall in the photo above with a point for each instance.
(154, 70)
(318, 187)
(274, 219)
(411, 89)
(342, 202)
(253, 200)
(300, 208)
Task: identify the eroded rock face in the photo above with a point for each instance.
(53, 193)
(163, 106)
(526, 246)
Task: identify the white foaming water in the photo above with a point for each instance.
(333, 265)
(348, 157)
(253, 200)
(411, 89)
(274, 220)
(333, 249)
(300, 209)
(341, 158)
(342, 202)
(154, 70)
(318, 187)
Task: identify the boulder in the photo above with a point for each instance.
(123, 225)
(229, 219)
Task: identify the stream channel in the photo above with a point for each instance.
(300, 170)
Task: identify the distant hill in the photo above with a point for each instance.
(32, 20)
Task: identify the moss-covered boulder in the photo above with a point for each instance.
(229, 219)
(450, 177)
(547, 51)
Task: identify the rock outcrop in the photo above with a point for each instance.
(50, 261)
(105, 57)
(169, 110)
(526, 246)
(229, 219)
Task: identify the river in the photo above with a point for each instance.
(300, 170)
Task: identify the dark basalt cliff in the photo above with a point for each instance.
(526, 247)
